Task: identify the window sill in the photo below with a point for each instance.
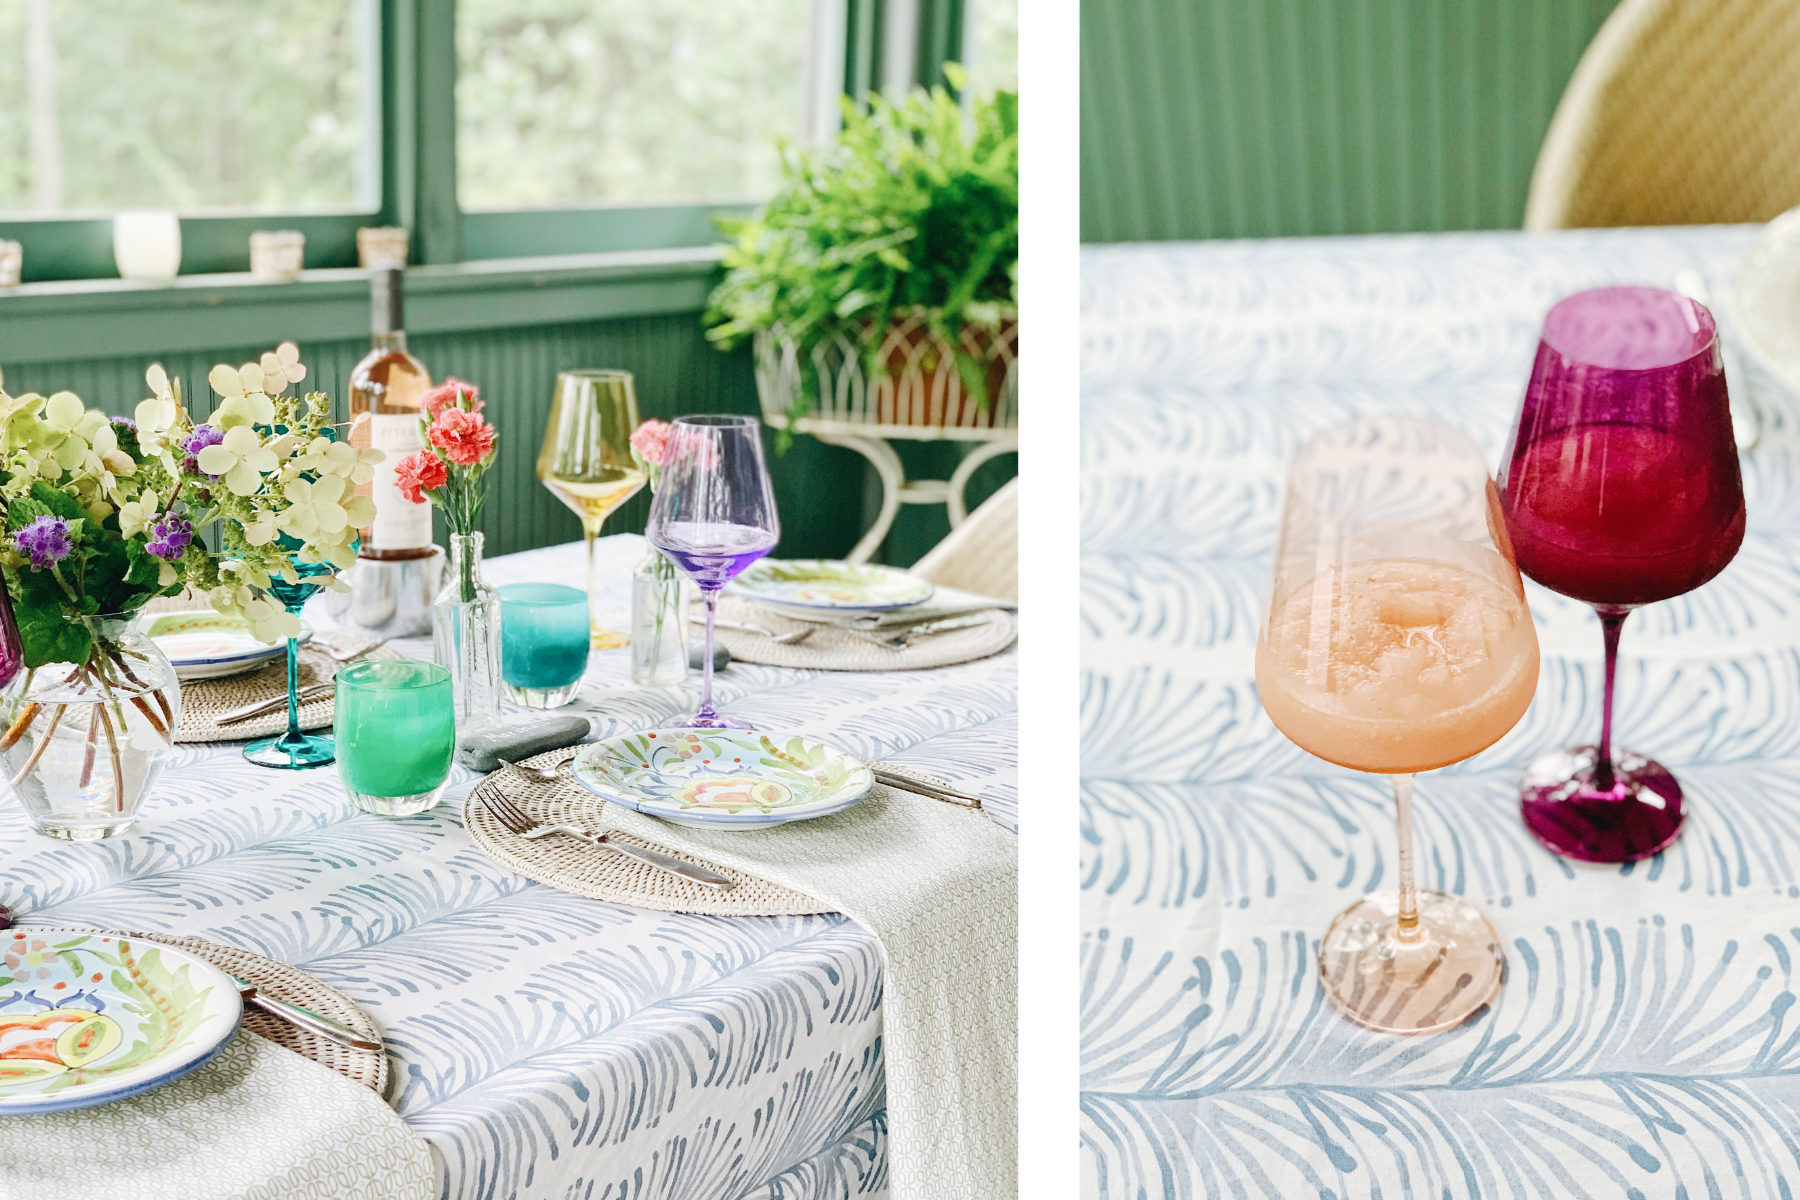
(46, 322)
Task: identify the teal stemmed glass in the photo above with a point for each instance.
(294, 750)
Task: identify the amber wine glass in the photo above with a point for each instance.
(586, 461)
(1398, 641)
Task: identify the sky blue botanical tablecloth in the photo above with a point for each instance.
(1644, 1043)
(548, 1045)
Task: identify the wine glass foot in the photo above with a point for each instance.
(1425, 984)
(607, 639)
(292, 752)
(706, 721)
(1563, 808)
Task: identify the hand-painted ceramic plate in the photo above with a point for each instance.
(211, 645)
(819, 585)
(88, 1019)
(723, 778)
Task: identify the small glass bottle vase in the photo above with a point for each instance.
(465, 634)
(659, 648)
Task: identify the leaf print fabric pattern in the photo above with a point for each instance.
(547, 1045)
(1644, 1043)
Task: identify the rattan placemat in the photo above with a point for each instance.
(830, 648)
(571, 865)
(204, 699)
(279, 980)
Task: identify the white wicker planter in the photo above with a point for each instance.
(920, 396)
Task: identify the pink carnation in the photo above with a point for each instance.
(418, 473)
(445, 394)
(651, 441)
(464, 437)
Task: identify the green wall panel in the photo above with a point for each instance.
(824, 492)
(1269, 118)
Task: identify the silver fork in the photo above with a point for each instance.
(540, 774)
(514, 818)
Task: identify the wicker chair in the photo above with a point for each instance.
(981, 554)
(1681, 112)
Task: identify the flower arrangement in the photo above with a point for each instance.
(106, 513)
(459, 448)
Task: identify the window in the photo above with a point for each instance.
(630, 102)
(991, 46)
(204, 106)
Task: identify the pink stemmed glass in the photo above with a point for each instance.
(714, 515)
(1620, 488)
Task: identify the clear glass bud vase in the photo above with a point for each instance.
(465, 634)
(659, 648)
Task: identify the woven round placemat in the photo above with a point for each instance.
(829, 648)
(279, 980)
(570, 865)
(204, 699)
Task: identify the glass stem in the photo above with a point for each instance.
(593, 620)
(706, 663)
(1407, 928)
(293, 664)
(1610, 624)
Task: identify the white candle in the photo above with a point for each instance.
(147, 244)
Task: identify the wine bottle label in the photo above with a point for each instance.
(399, 524)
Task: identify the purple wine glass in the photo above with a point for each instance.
(12, 651)
(1620, 488)
(714, 515)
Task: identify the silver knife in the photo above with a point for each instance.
(305, 1018)
(310, 692)
(934, 790)
(662, 862)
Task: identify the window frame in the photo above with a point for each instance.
(416, 119)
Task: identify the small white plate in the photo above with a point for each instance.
(210, 645)
(88, 1018)
(723, 778)
(814, 585)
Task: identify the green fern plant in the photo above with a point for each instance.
(910, 210)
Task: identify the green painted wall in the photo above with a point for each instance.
(827, 495)
(1269, 118)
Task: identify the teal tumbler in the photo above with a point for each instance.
(543, 643)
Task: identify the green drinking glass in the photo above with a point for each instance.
(396, 734)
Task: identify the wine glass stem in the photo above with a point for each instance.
(293, 665)
(1407, 928)
(1610, 624)
(711, 596)
(588, 535)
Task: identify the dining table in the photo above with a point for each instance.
(1644, 1042)
(546, 1044)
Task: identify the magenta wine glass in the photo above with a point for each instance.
(1620, 488)
(714, 515)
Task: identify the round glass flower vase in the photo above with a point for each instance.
(85, 742)
(659, 647)
(465, 635)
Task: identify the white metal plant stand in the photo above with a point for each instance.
(915, 393)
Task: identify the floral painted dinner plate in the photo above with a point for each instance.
(723, 778)
(211, 645)
(87, 1018)
(814, 585)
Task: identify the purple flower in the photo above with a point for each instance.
(126, 422)
(46, 540)
(169, 537)
(202, 437)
